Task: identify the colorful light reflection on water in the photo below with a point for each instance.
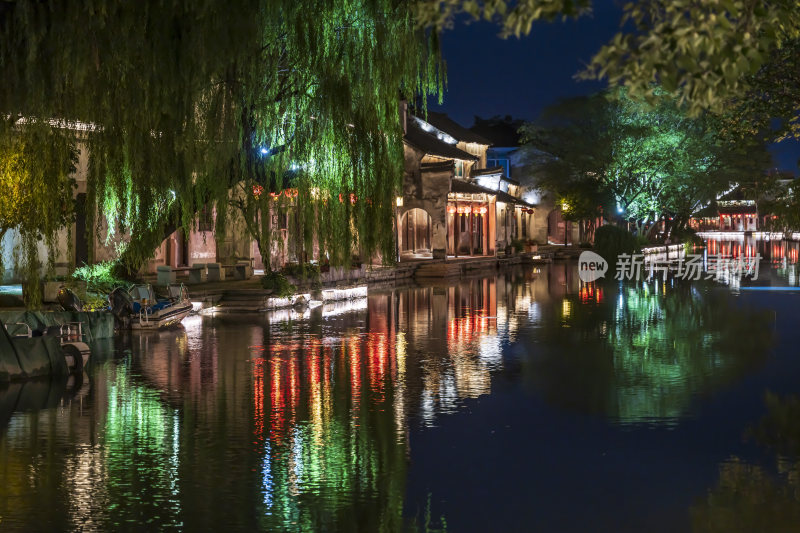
(247, 424)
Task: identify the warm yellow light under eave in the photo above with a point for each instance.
(399, 201)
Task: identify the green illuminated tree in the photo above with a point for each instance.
(36, 197)
(651, 160)
(178, 104)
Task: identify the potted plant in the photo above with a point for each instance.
(533, 245)
(518, 246)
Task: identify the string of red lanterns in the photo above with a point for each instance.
(465, 209)
(258, 190)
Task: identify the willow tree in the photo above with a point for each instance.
(180, 103)
(36, 197)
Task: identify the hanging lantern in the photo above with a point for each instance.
(451, 209)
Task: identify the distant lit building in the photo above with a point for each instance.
(732, 212)
(521, 164)
(453, 205)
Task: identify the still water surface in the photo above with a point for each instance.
(526, 401)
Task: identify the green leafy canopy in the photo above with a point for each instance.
(642, 161)
(182, 103)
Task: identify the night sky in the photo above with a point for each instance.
(490, 76)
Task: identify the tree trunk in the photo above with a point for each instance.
(142, 246)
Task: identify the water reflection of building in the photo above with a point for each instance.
(444, 327)
(309, 418)
(781, 255)
(319, 407)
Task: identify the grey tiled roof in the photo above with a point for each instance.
(430, 144)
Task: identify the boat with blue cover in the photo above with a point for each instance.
(138, 308)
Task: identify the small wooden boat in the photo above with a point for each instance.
(139, 309)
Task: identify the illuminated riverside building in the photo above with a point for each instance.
(452, 204)
(737, 213)
(458, 200)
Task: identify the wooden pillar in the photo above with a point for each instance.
(469, 222)
(412, 229)
(485, 226)
(456, 231)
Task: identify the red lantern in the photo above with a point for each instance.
(451, 209)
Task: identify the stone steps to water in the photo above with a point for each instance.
(243, 301)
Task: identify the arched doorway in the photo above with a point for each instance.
(415, 233)
(556, 227)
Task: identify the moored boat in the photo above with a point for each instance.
(138, 308)
(30, 347)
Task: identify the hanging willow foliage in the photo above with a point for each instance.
(184, 104)
(36, 190)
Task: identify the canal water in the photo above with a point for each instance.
(525, 401)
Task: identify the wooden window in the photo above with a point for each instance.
(459, 172)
